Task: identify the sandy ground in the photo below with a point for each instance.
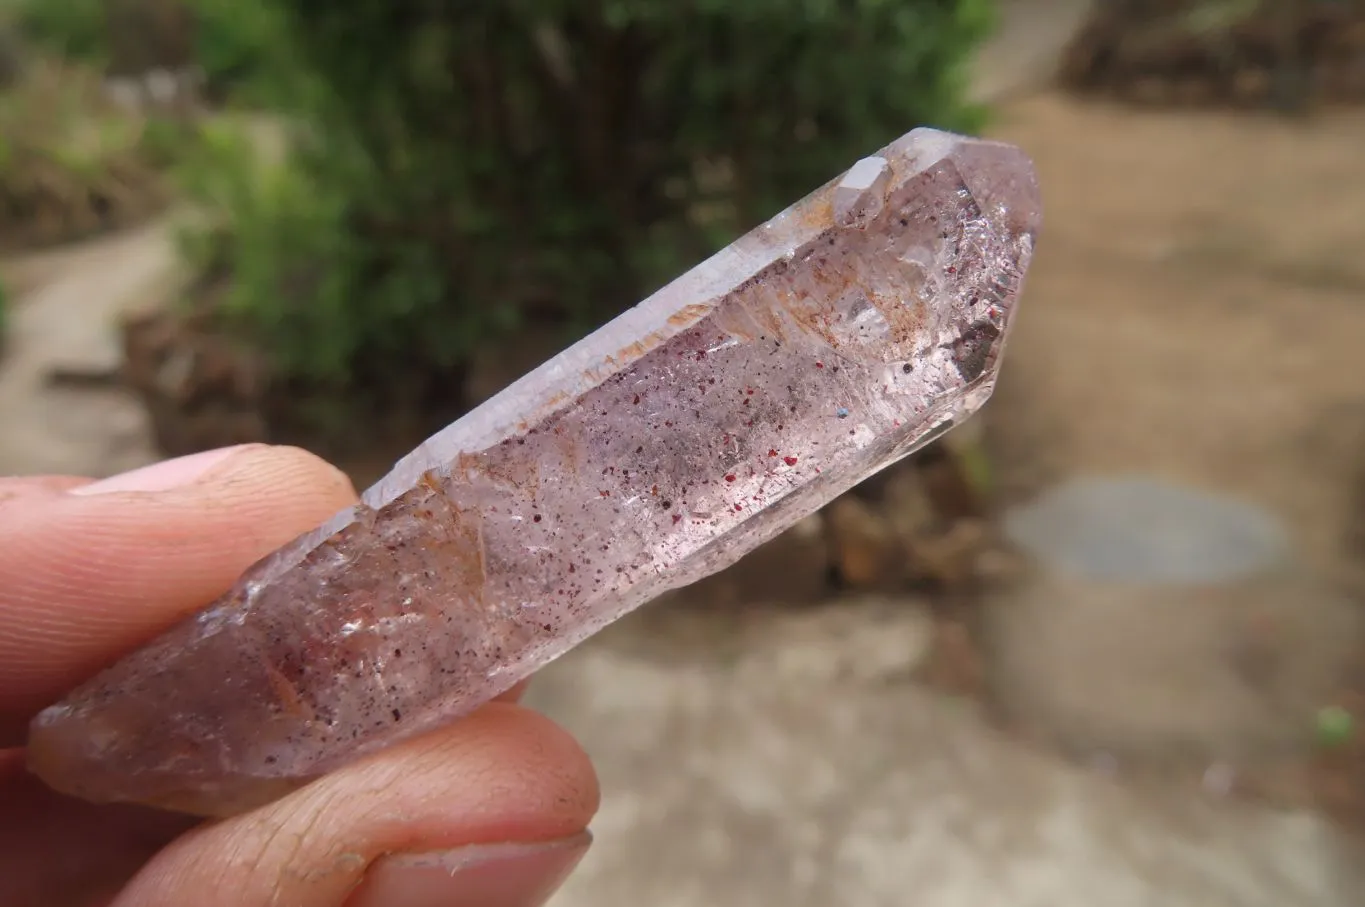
(1197, 307)
(1196, 313)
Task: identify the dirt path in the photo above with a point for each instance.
(64, 321)
(1021, 56)
(1196, 315)
(1197, 306)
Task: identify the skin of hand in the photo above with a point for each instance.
(492, 811)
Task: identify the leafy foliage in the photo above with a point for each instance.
(281, 233)
(73, 29)
(71, 162)
(233, 41)
(240, 49)
(461, 167)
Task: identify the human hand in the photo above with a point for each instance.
(491, 811)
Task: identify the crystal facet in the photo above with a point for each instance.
(861, 194)
(848, 331)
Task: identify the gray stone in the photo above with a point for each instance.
(1142, 530)
(1164, 623)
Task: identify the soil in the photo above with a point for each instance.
(1286, 54)
(1196, 312)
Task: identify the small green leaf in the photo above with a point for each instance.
(1335, 727)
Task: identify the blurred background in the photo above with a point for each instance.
(1102, 645)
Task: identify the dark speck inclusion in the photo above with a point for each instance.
(824, 345)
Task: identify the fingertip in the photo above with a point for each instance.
(503, 775)
(165, 475)
(281, 471)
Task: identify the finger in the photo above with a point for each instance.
(88, 574)
(417, 819)
(59, 852)
(12, 487)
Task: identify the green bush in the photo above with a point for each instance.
(72, 163)
(233, 40)
(461, 167)
(240, 46)
(280, 230)
(74, 29)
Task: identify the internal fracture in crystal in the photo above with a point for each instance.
(848, 331)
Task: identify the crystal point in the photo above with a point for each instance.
(846, 332)
(860, 195)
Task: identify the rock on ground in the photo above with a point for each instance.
(1164, 623)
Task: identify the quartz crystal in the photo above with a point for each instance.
(848, 331)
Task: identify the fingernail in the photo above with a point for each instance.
(164, 475)
(479, 875)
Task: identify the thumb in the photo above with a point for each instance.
(490, 811)
(89, 572)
